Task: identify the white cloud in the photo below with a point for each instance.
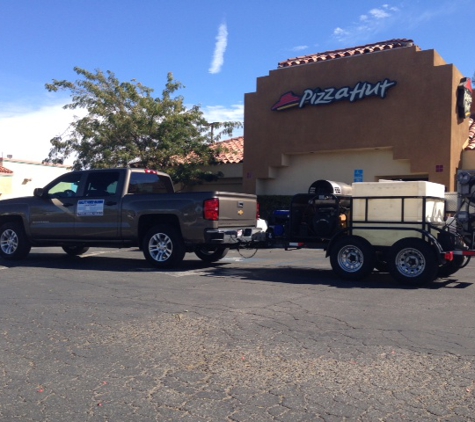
(219, 113)
(26, 134)
(340, 32)
(219, 49)
(379, 13)
(369, 24)
(300, 48)
(222, 114)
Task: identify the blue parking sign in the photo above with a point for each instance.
(358, 176)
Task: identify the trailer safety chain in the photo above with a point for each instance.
(246, 248)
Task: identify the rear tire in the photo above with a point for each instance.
(352, 258)
(163, 246)
(413, 261)
(13, 241)
(75, 250)
(211, 254)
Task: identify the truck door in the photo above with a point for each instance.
(52, 216)
(97, 214)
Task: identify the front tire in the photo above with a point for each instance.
(352, 258)
(163, 246)
(211, 254)
(13, 241)
(413, 261)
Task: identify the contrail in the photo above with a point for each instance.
(219, 49)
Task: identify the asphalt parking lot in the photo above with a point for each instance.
(275, 337)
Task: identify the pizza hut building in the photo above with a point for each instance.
(382, 111)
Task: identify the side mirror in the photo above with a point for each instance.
(39, 192)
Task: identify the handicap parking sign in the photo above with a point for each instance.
(358, 176)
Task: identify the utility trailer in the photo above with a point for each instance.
(413, 230)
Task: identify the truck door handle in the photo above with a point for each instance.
(111, 203)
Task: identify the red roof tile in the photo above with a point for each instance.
(4, 170)
(347, 52)
(231, 151)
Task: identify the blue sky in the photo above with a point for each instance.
(216, 48)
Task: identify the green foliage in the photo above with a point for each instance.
(125, 124)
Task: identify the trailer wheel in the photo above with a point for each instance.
(13, 241)
(412, 261)
(451, 267)
(211, 254)
(163, 246)
(352, 258)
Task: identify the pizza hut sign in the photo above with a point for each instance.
(318, 96)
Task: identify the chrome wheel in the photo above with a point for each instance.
(410, 262)
(9, 242)
(413, 261)
(160, 247)
(163, 246)
(13, 241)
(350, 258)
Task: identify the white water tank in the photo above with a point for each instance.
(396, 205)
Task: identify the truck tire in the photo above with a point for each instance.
(75, 250)
(413, 261)
(352, 258)
(451, 267)
(211, 254)
(163, 246)
(13, 241)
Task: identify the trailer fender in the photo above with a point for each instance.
(333, 240)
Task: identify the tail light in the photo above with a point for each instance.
(211, 209)
(258, 210)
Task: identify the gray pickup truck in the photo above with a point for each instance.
(124, 208)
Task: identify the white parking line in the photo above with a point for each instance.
(185, 273)
(100, 253)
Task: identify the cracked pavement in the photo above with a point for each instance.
(274, 338)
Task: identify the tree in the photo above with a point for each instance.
(125, 124)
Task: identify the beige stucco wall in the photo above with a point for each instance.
(27, 175)
(417, 119)
(5, 185)
(303, 169)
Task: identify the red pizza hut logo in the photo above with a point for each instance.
(318, 96)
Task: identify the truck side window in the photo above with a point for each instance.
(102, 184)
(66, 187)
(142, 183)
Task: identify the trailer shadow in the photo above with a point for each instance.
(313, 276)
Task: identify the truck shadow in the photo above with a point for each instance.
(132, 261)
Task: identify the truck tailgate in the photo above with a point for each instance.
(237, 210)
